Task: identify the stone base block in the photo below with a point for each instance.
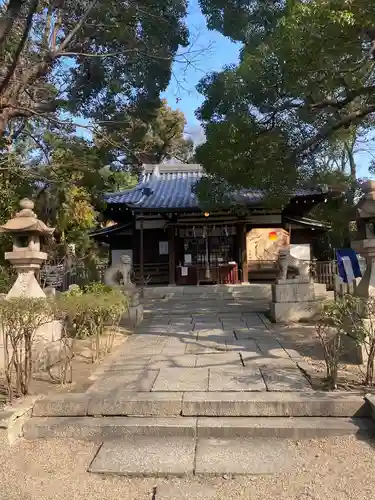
(284, 312)
(134, 316)
(353, 352)
(290, 281)
(293, 292)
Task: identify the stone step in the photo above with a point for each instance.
(187, 456)
(208, 404)
(110, 428)
(275, 404)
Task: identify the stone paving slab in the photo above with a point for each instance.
(174, 347)
(206, 347)
(205, 318)
(235, 379)
(248, 346)
(157, 404)
(165, 361)
(277, 379)
(207, 326)
(146, 457)
(134, 380)
(213, 334)
(251, 361)
(181, 379)
(253, 333)
(174, 342)
(174, 351)
(181, 323)
(239, 456)
(221, 359)
(146, 349)
(292, 353)
(271, 348)
(125, 363)
(253, 321)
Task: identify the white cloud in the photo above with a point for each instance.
(195, 132)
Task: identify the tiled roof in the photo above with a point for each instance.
(171, 187)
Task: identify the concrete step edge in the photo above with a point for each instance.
(106, 428)
(215, 404)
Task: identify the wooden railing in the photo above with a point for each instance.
(324, 272)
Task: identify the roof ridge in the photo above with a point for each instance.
(162, 168)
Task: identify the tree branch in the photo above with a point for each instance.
(75, 30)
(6, 22)
(325, 132)
(350, 96)
(21, 45)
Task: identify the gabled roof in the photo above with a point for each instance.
(172, 187)
(105, 231)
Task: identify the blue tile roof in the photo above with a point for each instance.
(172, 187)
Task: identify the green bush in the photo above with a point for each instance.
(98, 288)
(89, 313)
(19, 320)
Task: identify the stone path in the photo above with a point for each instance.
(204, 387)
(178, 349)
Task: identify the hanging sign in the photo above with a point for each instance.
(187, 258)
(184, 271)
(163, 247)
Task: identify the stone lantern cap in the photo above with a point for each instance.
(366, 205)
(26, 221)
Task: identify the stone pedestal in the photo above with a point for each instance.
(293, 300)
(366, 287)
(354, 352)
(26, 262)
(134, 315)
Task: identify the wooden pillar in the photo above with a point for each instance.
(172, 254)
(141, 253)
(134, 244)
(241, 242)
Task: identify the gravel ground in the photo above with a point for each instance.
(335, 468)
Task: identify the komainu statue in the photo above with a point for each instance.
(120, 275)
(287, 261)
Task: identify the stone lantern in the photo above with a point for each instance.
(26, 257)
(365, 245)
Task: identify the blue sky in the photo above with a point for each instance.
(216, 52)
(221, 52)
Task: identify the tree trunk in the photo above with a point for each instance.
(349, 148)
(6, 23)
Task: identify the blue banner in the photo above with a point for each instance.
(348, 265)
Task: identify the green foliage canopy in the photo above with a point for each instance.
(306, 73)
(96, 59)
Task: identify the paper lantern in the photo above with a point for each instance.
(272, 235)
